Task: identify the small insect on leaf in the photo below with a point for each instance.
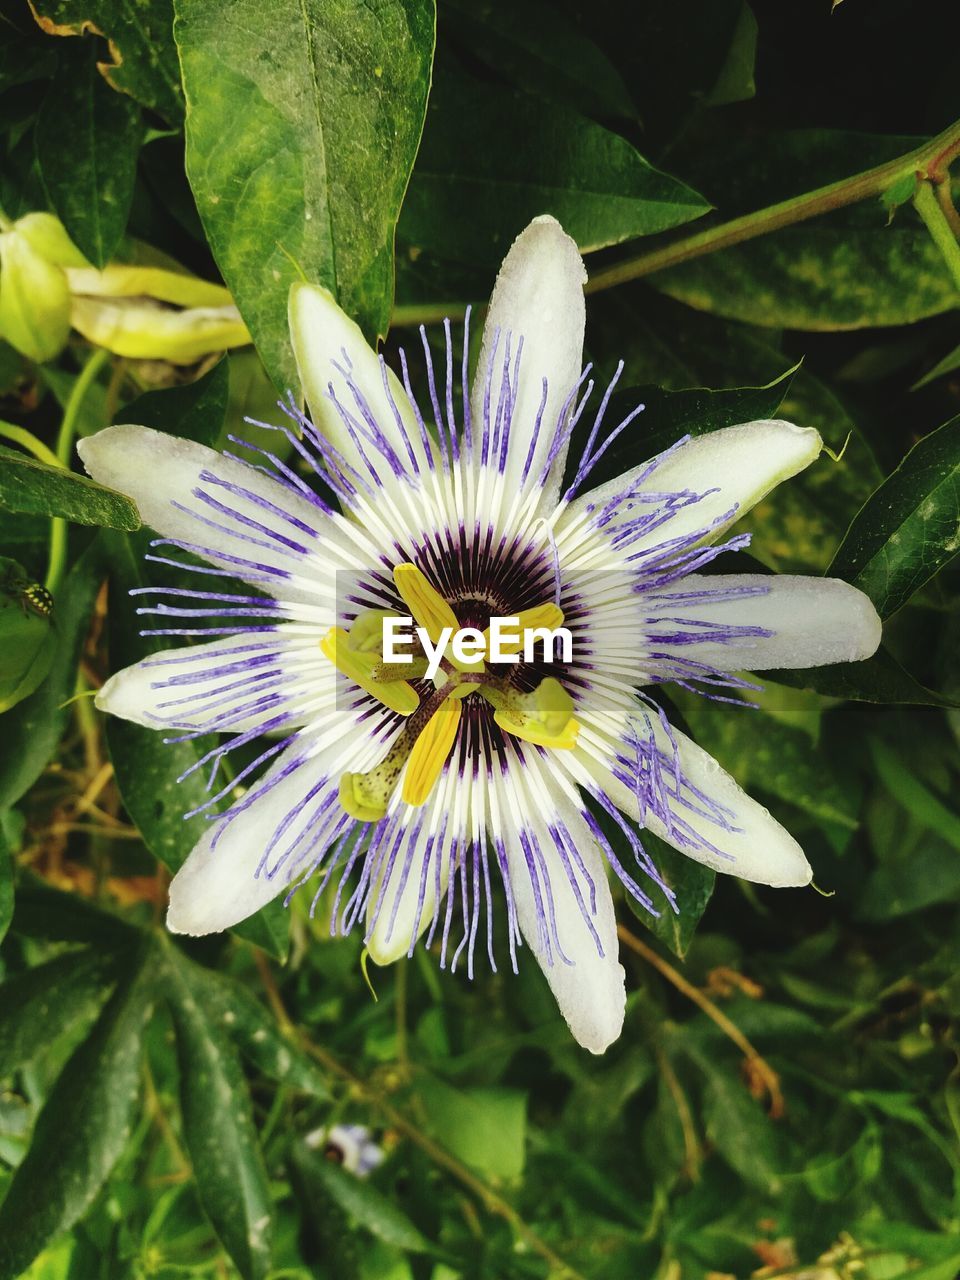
(27, 635)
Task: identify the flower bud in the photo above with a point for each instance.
(143, 329)
(134, 280)
(48, 237)
(34, 299)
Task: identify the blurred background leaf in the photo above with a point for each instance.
(312, 186)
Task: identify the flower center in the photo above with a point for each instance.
(543, 716)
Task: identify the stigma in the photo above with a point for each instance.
(375, 656)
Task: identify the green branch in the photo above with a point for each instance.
(930, 162)
(65, 436)
(941, 231)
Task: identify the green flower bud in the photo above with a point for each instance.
(122, 280)
(34, 299)
(142, 329)
(47, 235)
(27, 638)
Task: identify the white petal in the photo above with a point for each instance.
(733, 469)
(219, 685)
(401, 911)
(813, 621)
(590, 990)
(747, 841)
(538, 296)
(324, 337)
(222, 881)
(158, 471)
(757, 848)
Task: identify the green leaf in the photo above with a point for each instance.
(88, 139)
(845, 270)
(38, 1006)
(762, 753)
(486, 1128)
(147, 768)
(832, 1175)
(218, 1128)
(948, 1269)
(32, 729)
(143, 59)
(910, 527)
(949, 362)
(907, 789)
(45, 912)
(508, 156)
(735, 81)
(6, 879)
(918, 869)
(878, 679)
(739, 1129)
(192, 412)
(677, 58)
(367, 1206)
(692, 884)
(542, 50)
(313, 182)
(35, 488)
(81, 1130)
(244, 1019)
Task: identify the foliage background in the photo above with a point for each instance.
(785, 1099)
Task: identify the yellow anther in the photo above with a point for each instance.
(426, 604)
(549, 616)
(366, 630)
(431, 611)
(430, 752)
(543, 717)
(360, 668)
(360, 800)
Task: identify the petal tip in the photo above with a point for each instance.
(89, 449)
(179, 918)
(603, 1023)
(386, 953)
(794, 872)
(869, 630)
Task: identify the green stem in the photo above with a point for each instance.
(930, 161)
(68, 427)
(941, 232)
(410, 314)
(22, 437)
(944, 197)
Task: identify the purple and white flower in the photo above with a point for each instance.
(421, 804)
(350, 1145)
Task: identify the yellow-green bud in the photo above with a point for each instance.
(134, 280)
(144, 330)
(47, 235)
(34, 299)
